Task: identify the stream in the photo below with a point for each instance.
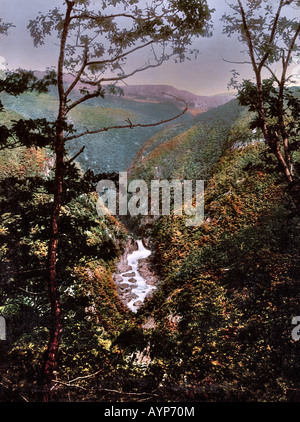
(132, 279)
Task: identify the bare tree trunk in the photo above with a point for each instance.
(273, 141)
(50, 358)
(53, 288)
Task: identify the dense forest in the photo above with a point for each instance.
(218, 324)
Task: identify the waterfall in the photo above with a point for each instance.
(140, 288)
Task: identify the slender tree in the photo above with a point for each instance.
(96, 41)
(271, 32)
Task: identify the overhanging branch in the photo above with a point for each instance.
(131, 125)
(76, 155)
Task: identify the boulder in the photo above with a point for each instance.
(117, 278)
(151, 281)
(124, 286)
(132, 280)
(129, 274)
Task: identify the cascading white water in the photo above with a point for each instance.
(141, 288)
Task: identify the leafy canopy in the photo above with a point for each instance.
(102, 35)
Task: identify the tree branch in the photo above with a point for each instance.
(76, 155)
(235, 62)
(70, 384)
(11, 389)
(117, 15)
(105, 390)
(119, 56)
(112, 79)
(272, 73)
(297, 33)
(83, 99)
(248, 36)
(272, 35)
(130, 125)
(128, 75)
(80, 72)
(30, 293)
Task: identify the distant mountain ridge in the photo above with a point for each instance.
(161, 93)
(115, 150)
(167, 93)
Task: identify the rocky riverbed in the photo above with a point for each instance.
(134, 277)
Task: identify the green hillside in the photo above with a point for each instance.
(221, 319)
(218, 326)
(109, 151)
(187, 150)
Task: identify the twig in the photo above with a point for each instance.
(14, 391)
(106, 390)
(235, 62)
(28, 292)
(85, 377)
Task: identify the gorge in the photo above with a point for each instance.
(134, 278)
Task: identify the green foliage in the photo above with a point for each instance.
(4, 26)
(17, 82)
(272, 40)
(59, 220)
(223, 313)
(93, 313)
(192, 153)
(175, 23)
(106, 152)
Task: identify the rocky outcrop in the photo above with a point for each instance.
(146, 272)
(122, 264)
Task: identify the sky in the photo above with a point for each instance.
(208, 74)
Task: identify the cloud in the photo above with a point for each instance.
(2, 63)
(2, 67)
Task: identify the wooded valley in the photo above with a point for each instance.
(219, 321)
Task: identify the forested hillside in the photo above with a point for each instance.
(92, 309)
(187, 150)
(111, 290)
(108, 151)
(224, 310)
(218, 326)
